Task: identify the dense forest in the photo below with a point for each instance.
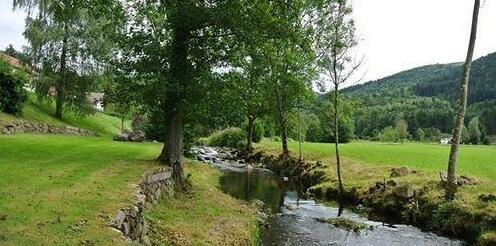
(425, 97)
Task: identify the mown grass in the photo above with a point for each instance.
(204, 216)
(60, 190)
(37, 111)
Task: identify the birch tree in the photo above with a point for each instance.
(451, 186)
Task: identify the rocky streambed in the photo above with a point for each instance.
(298, 221)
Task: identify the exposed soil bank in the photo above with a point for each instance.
(395, 199)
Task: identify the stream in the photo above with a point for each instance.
(294, 220)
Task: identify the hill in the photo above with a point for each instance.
(425, 97)
(439, 81)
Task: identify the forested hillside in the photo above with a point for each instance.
(425, 98)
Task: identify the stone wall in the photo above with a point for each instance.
(153, 186)
(21, 126)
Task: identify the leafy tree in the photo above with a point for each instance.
(402, 129)
(334, 39)
(452, 186)
(419, 135)
(388, 134)
(66, 38)
(474, 131)
(173, 56)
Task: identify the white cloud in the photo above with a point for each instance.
(11, 26)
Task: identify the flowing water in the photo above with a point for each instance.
(295, 220)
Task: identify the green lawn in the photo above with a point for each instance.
(474, 160)
(60, 190)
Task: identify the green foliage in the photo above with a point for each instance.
(402, 129)
(258, 130)
(474, 131)
(419, 135)
(12, 92)
(231, 137)
(388, 134)
(425, 96)
(465, 137)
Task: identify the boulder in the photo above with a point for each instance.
(404, 190)
(399, 172)
(119, 219)
(121, 137)
(137, 136)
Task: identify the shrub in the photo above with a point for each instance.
(486, 141)
(388, 134)
(231, 137)
(12, 93)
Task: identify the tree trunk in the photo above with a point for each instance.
(282, 123)
(451, 186)
(336, 144)
(59, 102)
(249, 135)
(60, 87)
(178, 78)
(173, 148)
(299, 131)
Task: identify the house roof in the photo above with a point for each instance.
(14, 62)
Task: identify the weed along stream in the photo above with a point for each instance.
(296, 221)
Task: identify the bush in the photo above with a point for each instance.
(231, 137)
(389, 134)
(486, 141)
(12, 93)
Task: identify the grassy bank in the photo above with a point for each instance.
(98, 122)
(204, 216)
(366, 163)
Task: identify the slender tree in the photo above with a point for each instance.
(334, 39)
(66, 39)
(451, 186)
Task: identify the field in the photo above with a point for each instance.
(365, 163)
(474, 160)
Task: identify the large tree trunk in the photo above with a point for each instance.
(60, 87)
(281, 116)
(451, 186)
(173, 148)
(179, 78)
(249, 133)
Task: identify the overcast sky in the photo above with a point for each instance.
(395, 35)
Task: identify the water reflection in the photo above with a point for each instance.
(295, 219)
